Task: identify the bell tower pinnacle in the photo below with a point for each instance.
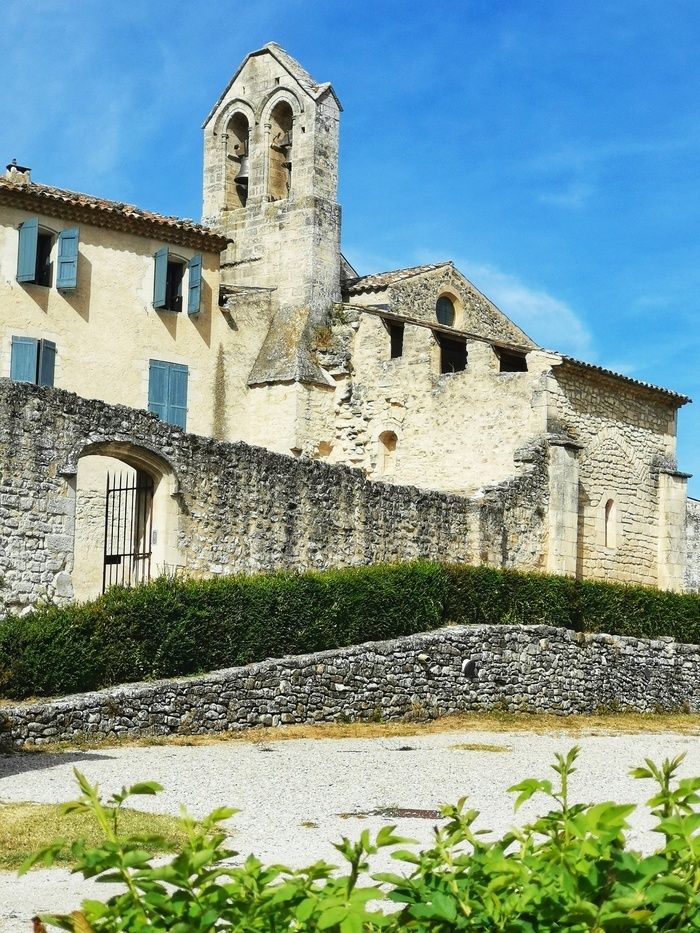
(270, 184)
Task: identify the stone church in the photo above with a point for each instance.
(253, 327)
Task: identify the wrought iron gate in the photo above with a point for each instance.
(128, 529)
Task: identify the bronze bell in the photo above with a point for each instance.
(242, 176)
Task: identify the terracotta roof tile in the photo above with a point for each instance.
(381, 280)
(59, 202)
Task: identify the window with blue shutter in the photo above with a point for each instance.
(26, 256)
(46, 362)
(67, 276)
(167, 391)
(23, 361)
(160, 278)
(177, 395)
(194, 290)
(33, 361)
(168, 275)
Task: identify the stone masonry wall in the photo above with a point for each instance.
(625, 436)
(455, 669)
(692, 577)
(239, 508)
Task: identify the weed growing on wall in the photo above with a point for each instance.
(568, 870)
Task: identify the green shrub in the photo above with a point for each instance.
(569, 870)
(173, 627)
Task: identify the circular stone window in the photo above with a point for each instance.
(445, 311)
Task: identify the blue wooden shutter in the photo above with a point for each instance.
(158, 388)
(26, 255)
(47, 362)
(177, 395)
(160, 278)
(23, 361)
(67, 259)
(194, 297)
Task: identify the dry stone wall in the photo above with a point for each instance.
(460, 668)
(239, 508)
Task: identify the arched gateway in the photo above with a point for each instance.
(125, 516)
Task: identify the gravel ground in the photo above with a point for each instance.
(296, 796)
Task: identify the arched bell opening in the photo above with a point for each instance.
(237, 161)
(126, 518)
(279, 176)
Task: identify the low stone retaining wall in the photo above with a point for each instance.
(459, 668)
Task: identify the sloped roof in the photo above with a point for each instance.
(347, 272)
(592, 367)
(59, 202)
(291, 66)
(381, 280)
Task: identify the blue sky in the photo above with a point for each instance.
(551, 148)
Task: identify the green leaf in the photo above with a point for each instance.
(145, 788)
(331, 916)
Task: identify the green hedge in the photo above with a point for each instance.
(491, 596)
(174, 627)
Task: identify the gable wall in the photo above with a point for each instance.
(417, 295)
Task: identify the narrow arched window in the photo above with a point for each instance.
(387, 452)
(610, 524)
(237, 142)
(445, 311)
(280, 165)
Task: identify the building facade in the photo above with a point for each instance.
(253, 327)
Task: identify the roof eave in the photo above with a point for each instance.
(109, 217)
(669, 395)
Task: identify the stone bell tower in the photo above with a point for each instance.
(270, 184)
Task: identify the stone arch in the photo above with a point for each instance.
(269, 101)
(280, 148)
(617, 501)
(157, 518)
(277, 175)
(223, 117)
(235, 127)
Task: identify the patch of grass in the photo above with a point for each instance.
(26, 827)
(479, 747)
(309, 824)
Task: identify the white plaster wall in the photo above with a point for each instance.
(106, 329)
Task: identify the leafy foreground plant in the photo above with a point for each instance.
(567, 870)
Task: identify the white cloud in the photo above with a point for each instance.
(550, 321)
